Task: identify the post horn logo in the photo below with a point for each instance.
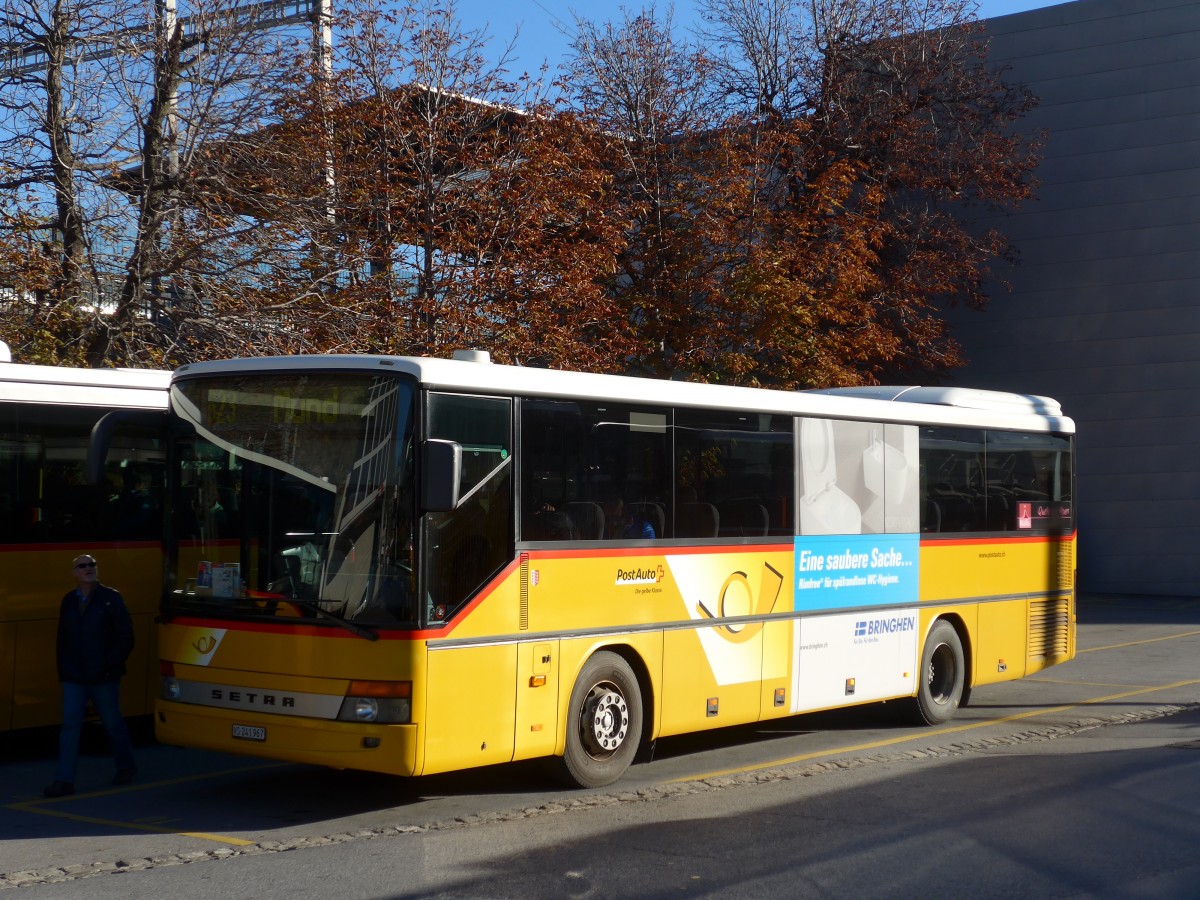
(738, 598)
(204, 645)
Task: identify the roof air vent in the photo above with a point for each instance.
(478, 356)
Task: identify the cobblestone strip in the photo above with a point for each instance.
(589, 801)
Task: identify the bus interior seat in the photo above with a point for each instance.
(697, 520)
(654, 513)
(588, 519)
(743, 518)
(932, 519)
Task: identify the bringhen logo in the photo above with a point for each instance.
(871, 630)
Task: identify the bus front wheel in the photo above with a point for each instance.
(942, 677)
(605, 724)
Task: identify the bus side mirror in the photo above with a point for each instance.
(102, 432)
(441, 475)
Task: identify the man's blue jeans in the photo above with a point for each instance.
(106, 698)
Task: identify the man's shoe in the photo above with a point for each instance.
(59, 789)
(124, 776)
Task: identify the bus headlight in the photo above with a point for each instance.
(170, 684)
(383, 702)
(363, 709)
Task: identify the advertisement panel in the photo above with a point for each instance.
(841, 571)
(854, 658)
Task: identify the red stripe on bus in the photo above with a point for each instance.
(78, 547)
(284, 627)
(706, 549)
(1019, 539)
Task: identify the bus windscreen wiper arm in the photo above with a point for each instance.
(361, 630)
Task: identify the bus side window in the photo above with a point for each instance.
(552, 472)
(465, 546)
(734, 474)
(16, 515)
(1029, 481)
(954, 495)
(594, 471)
(44, 494)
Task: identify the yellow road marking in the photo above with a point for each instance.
(1166, 637)
(1103, 684)
(40, 807)
(926, 735)
(131, 826)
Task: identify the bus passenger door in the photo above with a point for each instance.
(537, 700)
(470, 703)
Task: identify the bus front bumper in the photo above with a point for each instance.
(389, 749)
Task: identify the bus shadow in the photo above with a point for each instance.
(217, 794)
(873, 715)
(1077, 823)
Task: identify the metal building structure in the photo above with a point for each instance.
(22, 60)
(1104, 313)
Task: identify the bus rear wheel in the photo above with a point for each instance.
(605, 723)
(942, 677)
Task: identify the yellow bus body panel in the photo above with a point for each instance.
(281, 661)
(33, 580)
(298, 740)
(983, 569)
(711, 633)
(1023, 619)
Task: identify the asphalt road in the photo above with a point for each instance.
(1084, 781)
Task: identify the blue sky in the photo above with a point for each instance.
(540, 39)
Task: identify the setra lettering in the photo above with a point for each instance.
(252, 698)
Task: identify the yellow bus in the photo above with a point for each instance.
(50, 513)
(414, 566)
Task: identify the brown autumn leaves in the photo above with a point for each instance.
(783, 200)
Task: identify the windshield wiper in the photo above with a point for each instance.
(353, 627)
(362, 631)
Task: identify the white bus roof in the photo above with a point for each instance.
(132, 388)
(963, 398)
(477, 375)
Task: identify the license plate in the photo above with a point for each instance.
(249, 732)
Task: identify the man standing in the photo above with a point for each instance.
(95, 637)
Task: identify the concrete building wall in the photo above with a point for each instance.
(1104, 312)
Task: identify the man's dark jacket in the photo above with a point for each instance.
(95, 641)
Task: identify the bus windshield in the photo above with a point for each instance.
(292, 496)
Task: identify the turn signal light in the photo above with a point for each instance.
(380, 689)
